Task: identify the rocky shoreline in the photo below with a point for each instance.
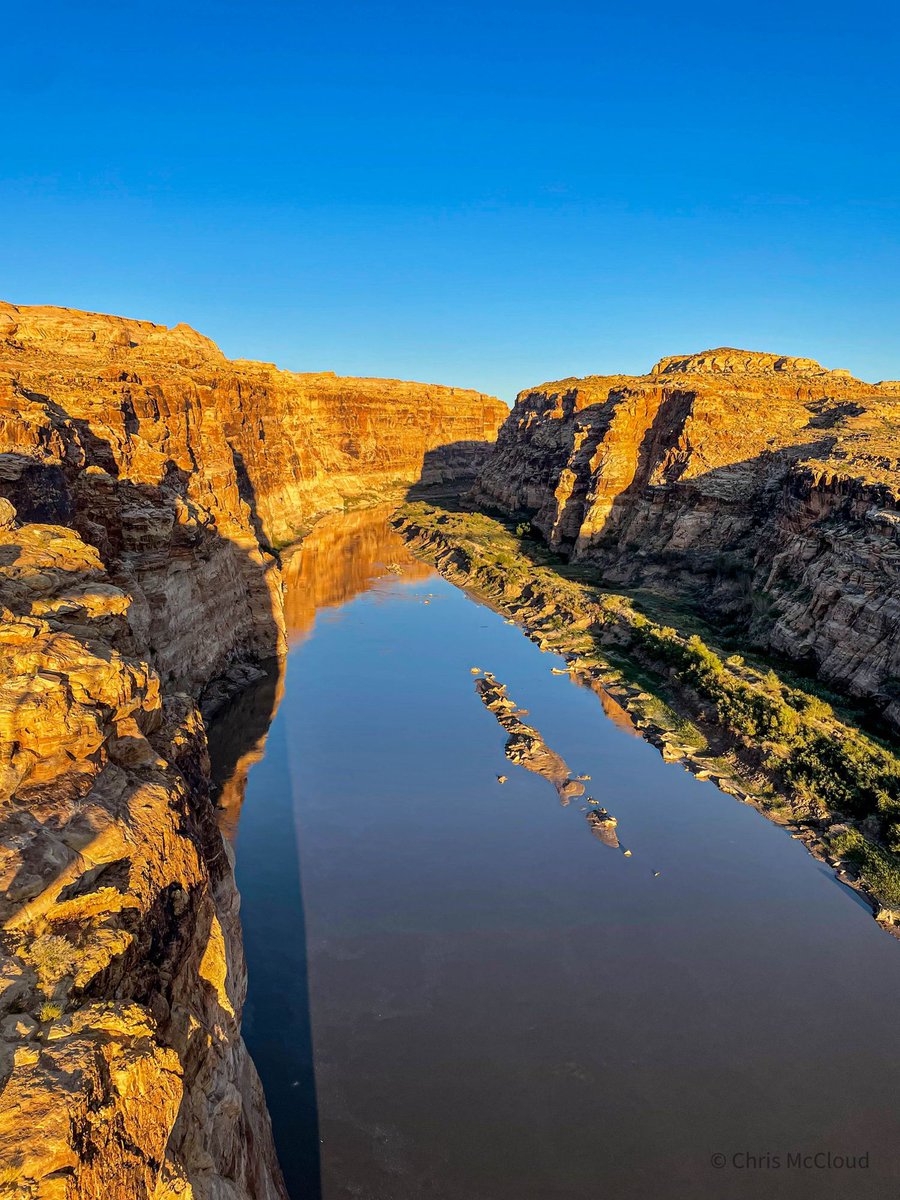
(485, 556)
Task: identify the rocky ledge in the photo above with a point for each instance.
(525, 746)
(761, 489)
(146, 483)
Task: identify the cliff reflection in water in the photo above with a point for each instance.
(345, 554)
(237, 741)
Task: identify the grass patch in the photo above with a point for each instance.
(878, 868)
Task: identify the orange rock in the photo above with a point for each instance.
(144, 483)
(765, 489)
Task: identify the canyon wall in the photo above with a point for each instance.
(146, 483)
(763, 490)
(186, 469)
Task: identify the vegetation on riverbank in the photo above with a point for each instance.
(800, 762)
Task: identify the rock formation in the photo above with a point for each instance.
(185, 469)
(525, 746)
(145, 484)
(762, 489)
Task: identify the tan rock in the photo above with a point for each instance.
(765, 489)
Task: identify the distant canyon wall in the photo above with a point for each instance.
(762, 489)
(145, 483)
(185, 469)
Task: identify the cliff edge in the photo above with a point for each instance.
(146, 482)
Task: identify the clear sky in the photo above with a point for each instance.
(484, 193)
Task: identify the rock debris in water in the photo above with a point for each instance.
(525, 746)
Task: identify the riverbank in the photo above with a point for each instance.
(453, 973)
(760, 739)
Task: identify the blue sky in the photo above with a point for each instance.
(486, 194)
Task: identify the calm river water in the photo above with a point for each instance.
(458, 992)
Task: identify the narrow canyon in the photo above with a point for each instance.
(147, 483)
(173, 523)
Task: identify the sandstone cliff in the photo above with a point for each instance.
(123, 1069)
(145, 481)
(185, 469)
(763, 489)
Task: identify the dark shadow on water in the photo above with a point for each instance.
(237, 739)
(277, 1019)
(277, 1024)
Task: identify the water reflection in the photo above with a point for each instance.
(454, 995)
(345, 554)
(237, 741)
(619, 716)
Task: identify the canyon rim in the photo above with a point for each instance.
(149, 489)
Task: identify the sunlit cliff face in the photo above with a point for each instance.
(760, 488)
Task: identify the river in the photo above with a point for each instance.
(457, 991)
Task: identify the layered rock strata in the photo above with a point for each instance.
(185, 469)
(123, 979)
(145, 483)
(763, 489)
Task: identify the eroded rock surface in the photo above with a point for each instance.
(185, 469)
(764, 489)
(145, 483)
(123, 1068)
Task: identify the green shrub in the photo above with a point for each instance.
(849, 773)
(878, 869)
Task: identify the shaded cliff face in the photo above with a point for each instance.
(763, 488)
(184, 469)
(144, 480)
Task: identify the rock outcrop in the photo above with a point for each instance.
(185, 469)
(123, 1068)
(762, 489)
(145, 485)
